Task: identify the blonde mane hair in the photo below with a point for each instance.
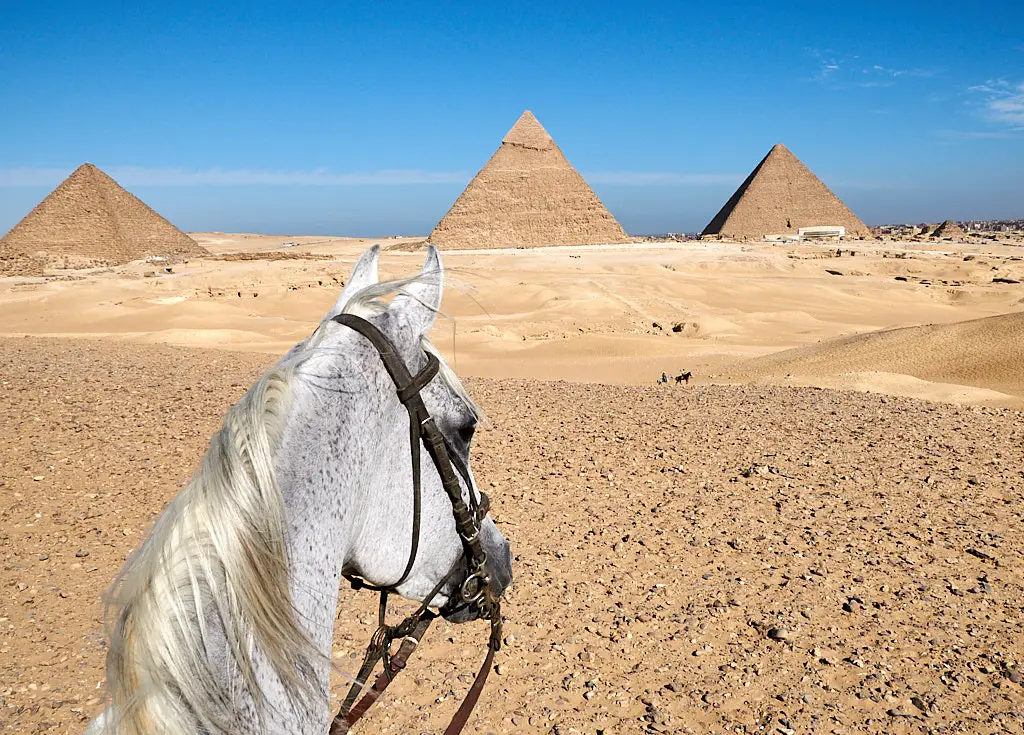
(216, 559)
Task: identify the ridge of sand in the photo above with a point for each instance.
(600, 314)
(986, 353)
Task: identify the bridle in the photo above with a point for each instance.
(476, 593)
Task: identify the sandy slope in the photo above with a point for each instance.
(984, 354)
(599, 314)
(659, 534)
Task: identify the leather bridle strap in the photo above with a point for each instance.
(347, 717)
(476, 591)
(422, 426)
(408, 393)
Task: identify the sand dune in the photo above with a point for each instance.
(987, 354)
(608, 314)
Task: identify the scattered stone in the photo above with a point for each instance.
(81, 553)
(780, 634)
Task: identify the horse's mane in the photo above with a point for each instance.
(217, 550)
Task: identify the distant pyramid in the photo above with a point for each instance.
(527, 195)
(90, 220)
(779, 197)
(949, 230)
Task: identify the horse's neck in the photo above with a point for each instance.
(317, 542)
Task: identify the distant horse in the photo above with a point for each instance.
(223, 620)
(684, 377)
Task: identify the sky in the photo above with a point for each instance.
(368, 119)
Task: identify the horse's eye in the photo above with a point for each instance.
(466, 433)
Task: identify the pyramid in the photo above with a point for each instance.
(949, 230)
(90, 220)
(779, 197)
(527, 195)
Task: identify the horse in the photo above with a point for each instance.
(684, 377)
(222, 621)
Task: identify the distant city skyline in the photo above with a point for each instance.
(343, 119)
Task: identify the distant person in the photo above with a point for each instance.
(684, 377)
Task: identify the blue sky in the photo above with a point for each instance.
(369, 118)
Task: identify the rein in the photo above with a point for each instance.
(476, 591)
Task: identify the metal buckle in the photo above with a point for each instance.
(475, 587)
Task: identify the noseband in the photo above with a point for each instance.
(476, 593)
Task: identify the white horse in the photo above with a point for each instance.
(223, 619)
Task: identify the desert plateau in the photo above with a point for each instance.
(820, 532)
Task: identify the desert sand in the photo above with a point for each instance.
(822, 532)
(613, 314)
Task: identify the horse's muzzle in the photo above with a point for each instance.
(499, 569)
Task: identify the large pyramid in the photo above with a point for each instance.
(779, 197)
(90, 220)
(527, 195)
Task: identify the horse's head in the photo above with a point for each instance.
(355, 410)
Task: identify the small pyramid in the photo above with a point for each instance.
(90, 220)
(527, 195)
(779, 197)
(949, 230)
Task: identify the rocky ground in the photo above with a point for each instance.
(703, 559)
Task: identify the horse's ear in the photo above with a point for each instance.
(364, 274)
(418, 302)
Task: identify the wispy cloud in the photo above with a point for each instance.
(977, 134)
(139, 176)
(1002, 102)
(838, 71)
(646, 178)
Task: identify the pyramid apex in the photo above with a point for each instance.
(526, 195)
(529, 133)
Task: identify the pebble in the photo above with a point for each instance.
(81, 553)
(38, 478)
(44, 557)
(780, 634)
(1015, 676)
